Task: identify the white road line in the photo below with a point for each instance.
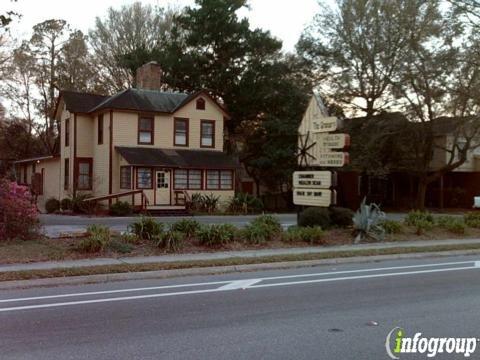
(239, 284)
(364, 277)
(222, 289)
(114, 291)
(230, 281)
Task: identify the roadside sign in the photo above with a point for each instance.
(314, 197)
(314, 179)
(332, 141)
(324, 124)
(329, 158)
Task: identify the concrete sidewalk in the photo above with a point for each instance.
(230, 254)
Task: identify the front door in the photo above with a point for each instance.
(162, 187)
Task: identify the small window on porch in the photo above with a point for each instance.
(144, 178)
(125, 177)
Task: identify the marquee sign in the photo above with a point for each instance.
(314, 179)
(314, 197)
(332, 141)
(316, 148)
(324, 124)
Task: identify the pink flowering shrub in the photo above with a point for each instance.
(18, 215)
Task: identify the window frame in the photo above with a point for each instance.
(200, 104)
(88, 161)
(100, 129)
(129, 168)
(67, 132)
(151, 178)
(219, 174)
(176, 120)
(211, 122)
(66, 173)
(188, 187)
(151, 131)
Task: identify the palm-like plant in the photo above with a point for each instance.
(367, 222)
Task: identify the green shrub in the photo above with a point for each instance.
(452, 224)
(130, 238)
(312, 235)
(189, 227)
(98, 239)
(392, 226)
(121, 208)
(245, 204)
(52, 205)
(315, 216)
(121, 247)
(423, 225)
(172, 241)
(216, 235)
(66, 204)
(147, 229)
(210, 202)
(269, 221)
(260, 232)
(472, 219)
(341, 217)
(413, 217)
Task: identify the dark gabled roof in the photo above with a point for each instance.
(176, 158)
(143, 100)
(77, 102)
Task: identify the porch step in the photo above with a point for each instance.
(168, 212)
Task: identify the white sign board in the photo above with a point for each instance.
(314, 197)
(314, 179)
(328, 158)
(324, 124)
(332, 141)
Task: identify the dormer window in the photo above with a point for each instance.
(145, 130)
(200, 104)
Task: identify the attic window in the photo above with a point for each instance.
(200, 104)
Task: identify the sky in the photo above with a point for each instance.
(285, 19)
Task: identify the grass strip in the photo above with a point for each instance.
(125, 268)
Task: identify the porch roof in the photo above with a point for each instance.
(177, 158)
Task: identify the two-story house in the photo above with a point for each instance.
(167, 144)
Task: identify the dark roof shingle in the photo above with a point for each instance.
(143, 100)
(177, 158)
(81, 102)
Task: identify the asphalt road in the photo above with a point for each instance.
(313, 313)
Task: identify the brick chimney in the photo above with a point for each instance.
(149, 76)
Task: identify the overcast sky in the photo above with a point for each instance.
(284, 18)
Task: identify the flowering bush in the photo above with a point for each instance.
(18, 215)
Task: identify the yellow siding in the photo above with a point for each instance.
(85, 138)
(66, 152)
(51, 181)
(125, 127)
(101, 156)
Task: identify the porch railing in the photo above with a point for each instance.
(143, 199)
(182, 198)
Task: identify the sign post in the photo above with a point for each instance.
(320, 148)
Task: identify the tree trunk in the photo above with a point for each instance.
(421, 193)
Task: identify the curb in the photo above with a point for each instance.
(215, 270)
